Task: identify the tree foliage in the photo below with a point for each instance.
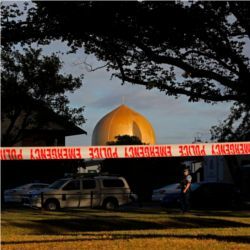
(30, 80)
(126, 140)
(236, 127)
(200, 50)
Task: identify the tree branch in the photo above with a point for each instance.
(171, 89)
(91, 69)
(210, 56)
(187, 67)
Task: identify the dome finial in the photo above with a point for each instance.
(123, 100)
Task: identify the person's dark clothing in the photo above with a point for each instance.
(185, 201)
(185, 197)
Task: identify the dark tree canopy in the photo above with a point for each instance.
(228, 131)
(200, 50)
(31, 81)
(126, 140)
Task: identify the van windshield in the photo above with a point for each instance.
(57, 184)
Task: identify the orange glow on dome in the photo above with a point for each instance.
(123, 121)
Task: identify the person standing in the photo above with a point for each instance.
(185, 190)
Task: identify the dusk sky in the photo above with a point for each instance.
(174, 120)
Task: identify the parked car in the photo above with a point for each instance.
(158, 194)
(98, 191)
(17, 194)
(172, 199)
(207, 195)
(216, 195)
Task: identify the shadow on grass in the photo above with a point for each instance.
(96, 224)
(199, 212)
(235, 239)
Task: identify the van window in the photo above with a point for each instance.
(72, 185)
(57, 184)
(113, 183)
(88, 184)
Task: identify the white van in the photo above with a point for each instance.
(99, 191)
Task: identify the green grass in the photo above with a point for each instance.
(135, 228)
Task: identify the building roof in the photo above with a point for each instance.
(47, 121)
(55, 123)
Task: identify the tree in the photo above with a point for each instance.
(236, 127)
(199, 49)
(31, 81)
(126, 140)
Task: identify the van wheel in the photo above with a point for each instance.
(110, 204)
(52, 205)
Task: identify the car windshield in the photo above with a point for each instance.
(57, 184)
(172, 186)
(23, 186)
(37, 186)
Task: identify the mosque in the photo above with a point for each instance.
(123, 121)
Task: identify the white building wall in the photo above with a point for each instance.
(216, 169)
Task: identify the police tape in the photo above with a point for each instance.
(128, 151)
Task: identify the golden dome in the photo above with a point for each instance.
(123, 121)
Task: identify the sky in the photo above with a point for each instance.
(174, 120)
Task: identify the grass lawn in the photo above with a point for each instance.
(135, 228)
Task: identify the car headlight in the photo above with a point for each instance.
(35, 196)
